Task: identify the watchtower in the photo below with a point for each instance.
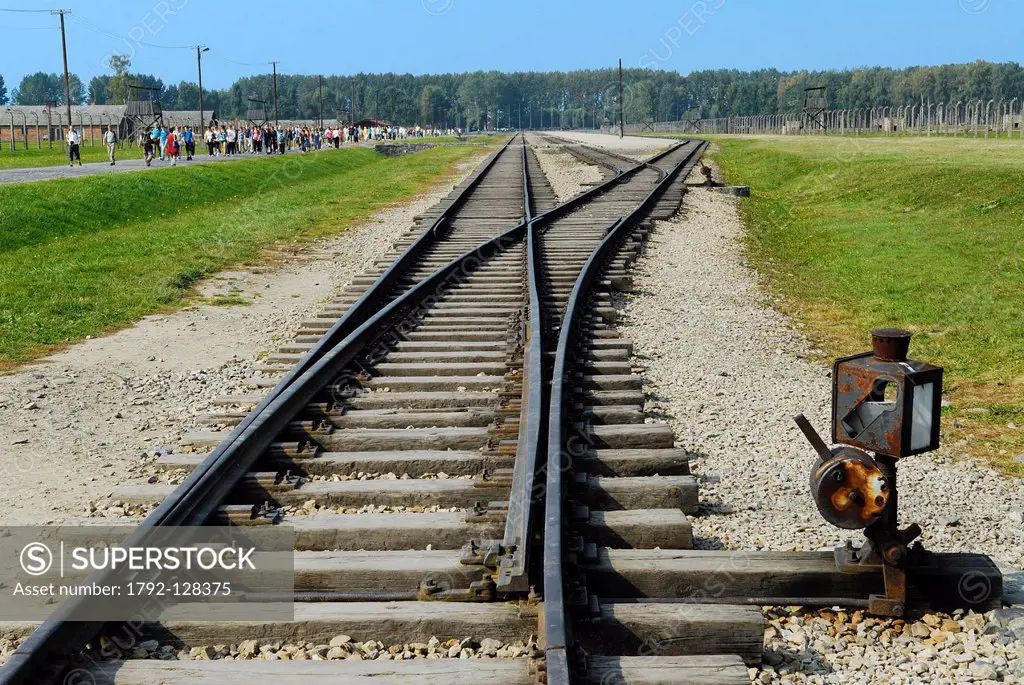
(142, 110)
(257, 113)
(815, 105)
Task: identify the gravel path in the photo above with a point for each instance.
(728, 372)
(636, 147)
(129, 159)
(566, 174)
(78, 424)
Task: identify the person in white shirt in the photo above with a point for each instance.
(110, 138)
(73, 151)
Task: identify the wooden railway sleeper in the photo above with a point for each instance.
(503, 448)
(250, 515)
(495, 557)
(317, 426)
(503, 428)
(483, 590)
(486, 553)
(490, 478)
(492, 512)
(295, 449)
(275, 480)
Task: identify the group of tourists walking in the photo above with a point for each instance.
(168, 143)
(171, 143)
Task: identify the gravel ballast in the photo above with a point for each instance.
(340, 648)
(635, 147)
(76, 425)
(729, 372)
(566, 174)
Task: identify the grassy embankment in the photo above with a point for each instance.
(920, 233)
(93, 254)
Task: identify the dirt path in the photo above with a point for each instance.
(77, 424)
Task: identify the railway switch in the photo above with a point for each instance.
(884, 407)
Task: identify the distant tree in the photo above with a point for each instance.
(3, 92)
(38, 88)
(432, 102)
(573, 97)
(99, 90)
(119, 82)
(188, 96)
(639, 101)
(77, 90)
(169, 97)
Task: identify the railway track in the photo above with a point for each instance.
(459, 446)
(462, 424)
(609, 163)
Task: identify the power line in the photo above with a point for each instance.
(168, 47)
(4, 9)
(97, 29)
(244, 64)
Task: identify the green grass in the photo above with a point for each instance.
(913, 232)
(22, 158)
(226, 301)
(88, 255)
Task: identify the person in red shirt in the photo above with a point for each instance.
(172, 146)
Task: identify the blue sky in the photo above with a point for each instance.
(433, 36)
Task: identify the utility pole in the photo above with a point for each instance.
(200, 49)
(67, 78)
(274, 63)
(621, 124)
(321, 101)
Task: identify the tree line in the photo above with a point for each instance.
(577, 98)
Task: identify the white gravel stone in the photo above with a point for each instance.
(342, 648)
(635, 147)
(567, 176)
(730, 372)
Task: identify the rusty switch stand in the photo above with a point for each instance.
(888, 404)
(887, 549)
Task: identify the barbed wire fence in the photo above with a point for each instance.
(963, 118)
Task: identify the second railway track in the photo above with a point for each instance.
(463, 424)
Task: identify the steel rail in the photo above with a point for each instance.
(60, 633)
(558, 461)
(578, 150)
(206, 486)
(513, 569)
(372, 299)
(520, 521)
(196, 498)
